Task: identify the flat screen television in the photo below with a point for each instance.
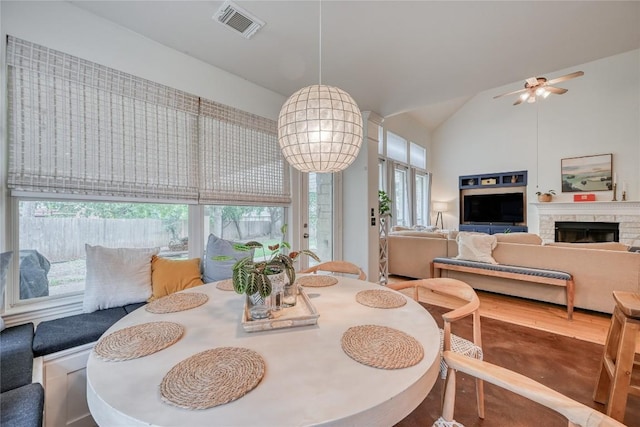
(504, 208)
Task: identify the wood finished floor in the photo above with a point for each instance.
(586, 325)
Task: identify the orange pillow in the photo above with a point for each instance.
(169, 275)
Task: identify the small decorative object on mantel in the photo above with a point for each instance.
(584, 197)
(254, 278)
(545, 197)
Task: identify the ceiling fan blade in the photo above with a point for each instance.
(556, 90)
(518, 101)
(510, 93)
(566, 77)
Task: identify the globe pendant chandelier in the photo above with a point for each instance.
(320, 127)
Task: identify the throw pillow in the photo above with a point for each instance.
(117, 277)
(476, 247)
(169, 275)
(5, 262)
(215, 270)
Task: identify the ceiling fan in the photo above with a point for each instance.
(540, 86)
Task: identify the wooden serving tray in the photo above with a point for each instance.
(301, 314)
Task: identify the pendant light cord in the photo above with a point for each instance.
(537, 144)
(320, 46)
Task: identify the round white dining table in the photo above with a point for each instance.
(308, 380)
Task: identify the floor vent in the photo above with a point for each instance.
(234, 17)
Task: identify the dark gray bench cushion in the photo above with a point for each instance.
(132, 307)
(68, 332)
(539, 272)
(16, 356)
(22, 406)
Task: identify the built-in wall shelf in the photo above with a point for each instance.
(494, 180)
(495, 202)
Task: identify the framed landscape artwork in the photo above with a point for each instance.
(588, 173)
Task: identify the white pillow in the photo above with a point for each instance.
(476, 247)
(117, 277)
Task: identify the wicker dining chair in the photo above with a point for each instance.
(576, 413)
(345, 267)
(448, 341)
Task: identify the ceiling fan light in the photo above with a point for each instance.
(320, 129)
(540, 91)
(546, 94)
(524, 96)
(531, 99)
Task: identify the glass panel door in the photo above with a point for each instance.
(319, 190)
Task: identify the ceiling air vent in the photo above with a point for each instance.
(234, 17)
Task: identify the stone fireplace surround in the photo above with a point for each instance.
(627, 214)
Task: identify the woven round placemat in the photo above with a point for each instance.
(212, 377)
(317, 281)
(378, 298)
(225, 285)
(381, 347)
(176, 302)
(137, 341)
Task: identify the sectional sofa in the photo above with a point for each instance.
(597, 268)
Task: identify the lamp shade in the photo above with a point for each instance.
(440, 206)
(320, 129)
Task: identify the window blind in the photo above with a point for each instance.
(241, 161)
(77, 127)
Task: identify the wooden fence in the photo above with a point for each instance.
(64, 239)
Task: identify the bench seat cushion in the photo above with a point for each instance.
(68, 332)
(132, 307)
(16, 356)
(539, 272)
(22, 406)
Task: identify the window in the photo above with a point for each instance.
(246, 223)
(401, 193)
(408, 182)
(97, 156)
(53, 234)
(422, 197)
(418, 156)
(396, 147)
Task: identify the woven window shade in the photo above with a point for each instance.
(241, 162)
(76, 127)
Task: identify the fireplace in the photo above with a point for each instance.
(626, 214)
(586, 232)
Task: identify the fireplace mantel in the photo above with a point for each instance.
(627, 214)
(599, 208)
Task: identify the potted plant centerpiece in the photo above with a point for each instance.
(258, 278)
(545, 197)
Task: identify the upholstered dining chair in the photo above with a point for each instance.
(576, 413)
(345, 267)
(448, 341)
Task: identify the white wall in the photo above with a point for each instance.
(600, 114)
(63, 26)
(360, 243)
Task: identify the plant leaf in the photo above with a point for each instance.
(239, 279)
(311, 254)
(264, 285)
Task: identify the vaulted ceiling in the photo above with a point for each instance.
(424, 58)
